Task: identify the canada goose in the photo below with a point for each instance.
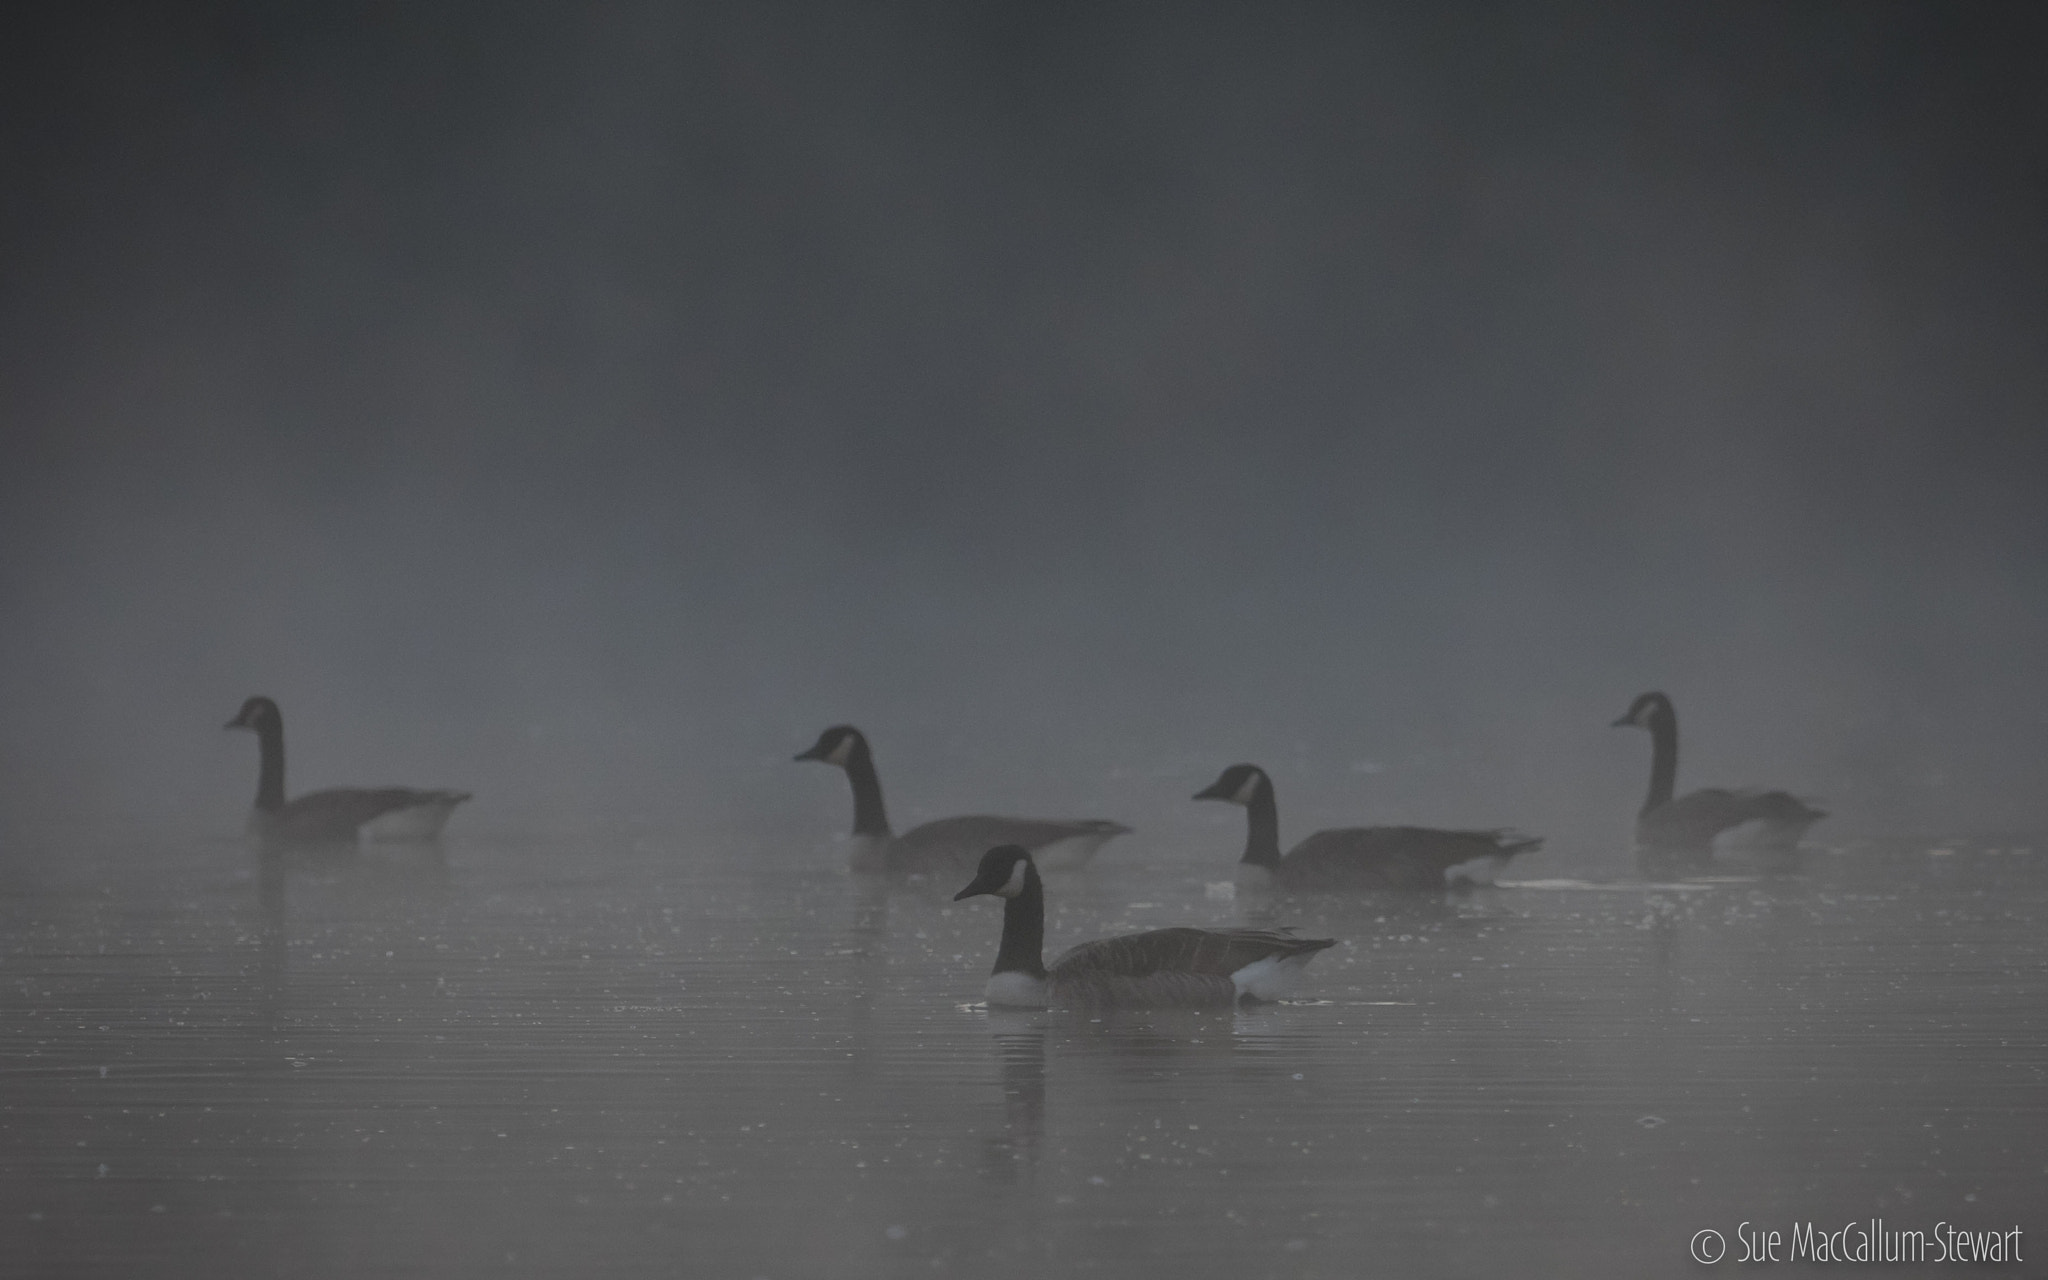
(1162, 968)
(1354, 857)
(319, 817)
(948, 843)
(1690, 822)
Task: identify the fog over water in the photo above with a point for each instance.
(583, 406)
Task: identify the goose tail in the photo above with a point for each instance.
(1511, 842)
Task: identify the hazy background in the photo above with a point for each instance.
(586, 404)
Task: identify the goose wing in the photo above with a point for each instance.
(339, 813)
(1162, 990)
(1182, 950)
(1395, 857)
(420, 820)
(965, 839)
(1694, 819)
(1180, 968)
(1783, 807)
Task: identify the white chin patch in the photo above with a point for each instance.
(1249, 789)
(1015, 884)
(842, 752)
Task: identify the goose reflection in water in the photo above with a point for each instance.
(1011, 1155)
(360, 887)
(1094, 1053)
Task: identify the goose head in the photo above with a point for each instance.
(1237, 785)
(1003, 873)
(1645, 711)
(258, 713)
(837, 745)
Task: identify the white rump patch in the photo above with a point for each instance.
(1017, 990)
(1478, 871)
(1271, 978)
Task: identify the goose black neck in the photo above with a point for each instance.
(1023, 948)
(270, 776)
(869, 817)
(1262, 827)
(1663, 757)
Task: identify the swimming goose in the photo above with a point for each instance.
(1355, 857)
(320, 817)
(948, 843)
(1690, 822)
(1163, 968)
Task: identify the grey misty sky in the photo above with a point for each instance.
(589, 403)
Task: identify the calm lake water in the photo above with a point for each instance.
(650, 1054)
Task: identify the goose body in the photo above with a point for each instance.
(1185, 968)
(947, 844)
(1691, 822)
(1356, 857)
(337, 815)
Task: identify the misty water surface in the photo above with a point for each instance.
(653, 1053)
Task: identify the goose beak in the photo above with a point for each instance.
(1214, 791)
(815, 753)
(1623, 723)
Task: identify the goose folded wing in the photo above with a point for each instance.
(978, 833)
(1704, 814)
(1449, 848)
(1782, 807)
(345, 809)
(1425, 847)
(1217, 952)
